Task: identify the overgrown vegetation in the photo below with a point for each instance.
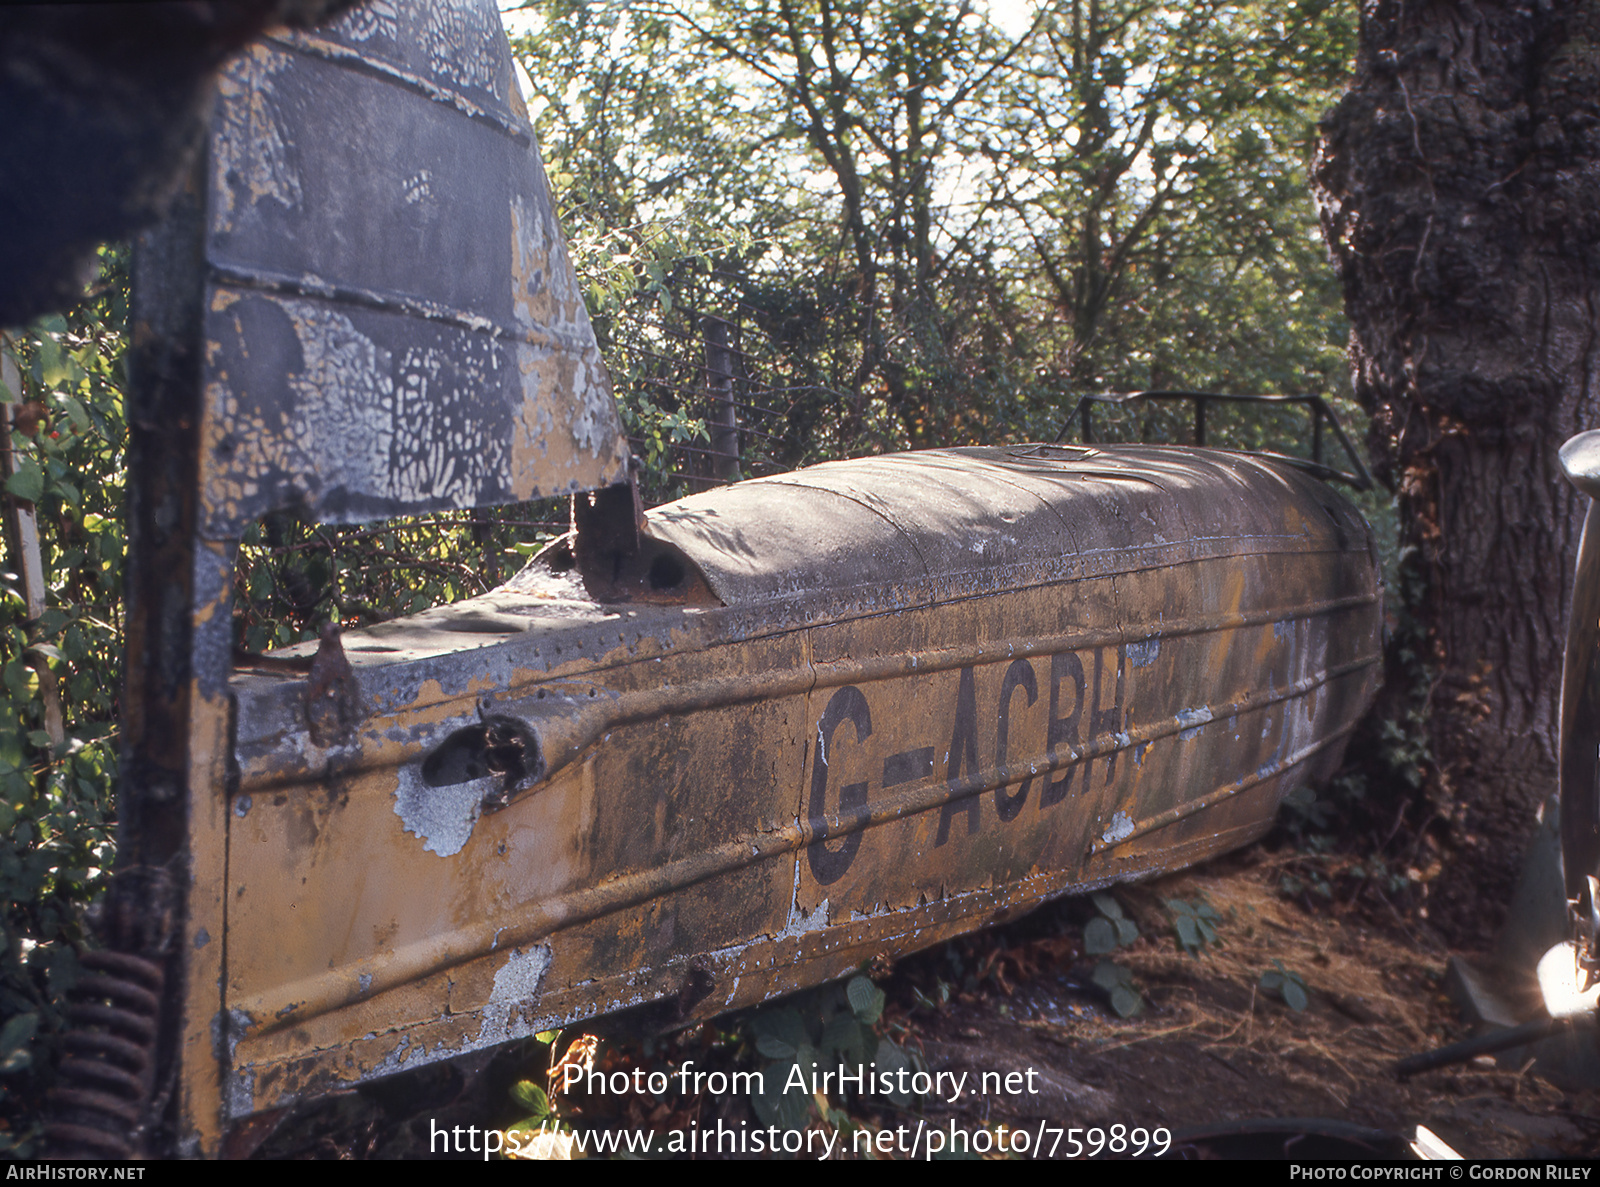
(758, 1066)
(62, 668)
(927, 227)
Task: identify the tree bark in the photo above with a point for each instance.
(1457, 182)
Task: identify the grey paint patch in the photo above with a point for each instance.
(394, 1061)
(1194, 721)
(441, 816)
(404, 333)
(800, 923)
(461, 44)
(202, 938)
(403, 428)
(377, 18)
(516, 984)
(251, 154)
(241, 806)
(1144, 653)
(1121, 827)
(241, 1085)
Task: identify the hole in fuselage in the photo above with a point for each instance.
(666, 572)
(497, 746)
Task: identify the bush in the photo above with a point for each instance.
(60, 673)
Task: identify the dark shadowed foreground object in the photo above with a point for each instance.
(1580, 743)
(102, 107)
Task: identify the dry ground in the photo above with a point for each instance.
(1212, 1046)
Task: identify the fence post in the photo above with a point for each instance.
(723, 420)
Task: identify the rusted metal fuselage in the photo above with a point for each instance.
(822, 716)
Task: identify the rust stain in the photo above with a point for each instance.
(736, 799)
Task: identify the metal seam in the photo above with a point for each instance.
(629, 708)
(332, 51)
(322, 993)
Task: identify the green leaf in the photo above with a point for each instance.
(1294, 995)
(1188, 933)
(841, 1036)
(891, 1059)
(1108, 975)
(53, 365)
(1126, 1001)
(780, 1033)
(1099, 937)
(13, 755)
(786, 1110)
(531, 1097)
(76, 416)
(1108, 906)
(27, 483)
(16, 676)
(1127, 931)
(14, 1039)
(866, 1000)
(774, 1048)
(1117, 983)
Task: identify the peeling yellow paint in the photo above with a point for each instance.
(770, 806)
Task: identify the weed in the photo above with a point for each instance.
(1195, 924)
(832, 1026)
(1117, 981)
(1289, 987)
(1110, 929)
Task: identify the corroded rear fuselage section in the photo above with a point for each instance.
(853, 711)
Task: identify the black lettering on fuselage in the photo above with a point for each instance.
(829, 865)
(1107, 720)
(908, 766)
(1063, 667)
(1019, 673)
(1077, 718)
(963, 755)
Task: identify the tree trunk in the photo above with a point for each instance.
(1458, 186)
